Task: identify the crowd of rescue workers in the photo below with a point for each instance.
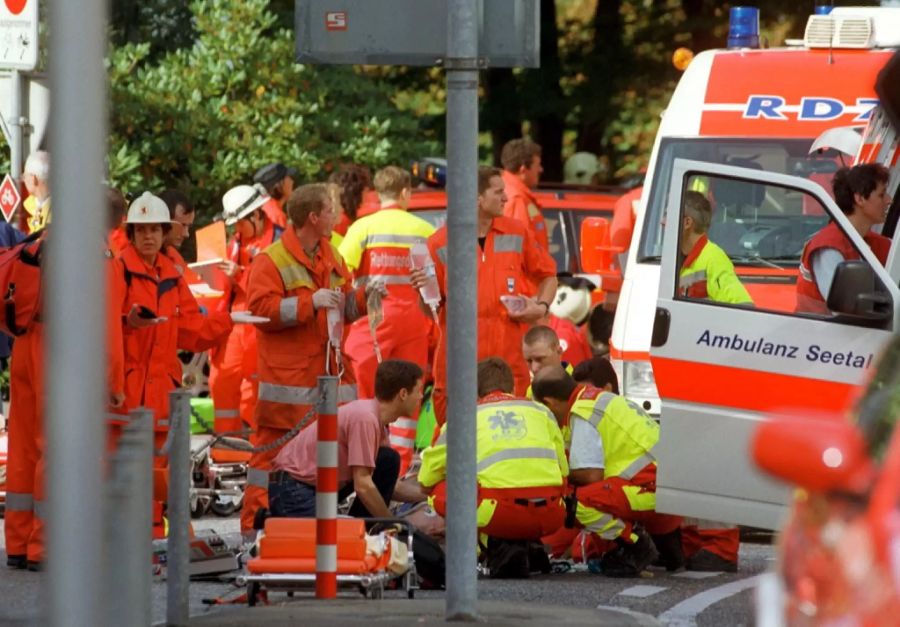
(565, 465)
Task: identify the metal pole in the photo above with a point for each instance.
(75, 313)
(326, 489)
(179, 510)
(129, 526)
(462, 162)
(16, 139)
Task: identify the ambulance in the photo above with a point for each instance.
(760, 132)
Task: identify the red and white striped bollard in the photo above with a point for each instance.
(327, 490)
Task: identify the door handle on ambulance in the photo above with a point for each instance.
(661, 323)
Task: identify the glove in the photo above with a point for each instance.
(376, 286)
(326, 298)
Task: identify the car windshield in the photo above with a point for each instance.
(755, 214)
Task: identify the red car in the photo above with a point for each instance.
(839, 556)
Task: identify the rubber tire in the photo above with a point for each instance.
(252, 593)
(222, 509)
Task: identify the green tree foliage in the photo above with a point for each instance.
(203, 117)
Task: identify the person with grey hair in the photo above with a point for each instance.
(36, 176)
(707, 272)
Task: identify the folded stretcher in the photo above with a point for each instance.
(287, 557)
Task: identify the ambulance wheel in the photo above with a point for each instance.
(252, 593)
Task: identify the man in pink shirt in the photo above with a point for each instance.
(366, 463)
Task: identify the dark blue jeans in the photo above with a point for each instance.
(289, 498)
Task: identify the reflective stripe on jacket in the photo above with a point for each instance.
(519, 445)
(292, 345)
(708, 273)
(628, 433)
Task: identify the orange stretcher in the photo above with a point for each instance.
(287, 557)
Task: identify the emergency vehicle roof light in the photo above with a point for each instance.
(431, 171)
(819, 31)
(743, 27)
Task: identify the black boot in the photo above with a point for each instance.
(627, 559)
(16, 562)
(538, 560)
(671, 554)
(507, 559)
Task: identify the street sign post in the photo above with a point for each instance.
(462, 36)
(9, 197)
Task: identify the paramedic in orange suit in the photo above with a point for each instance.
(159, 316)
(376, 247)
(521, 159)
(293, 283)
(510, 261)
(233, 378)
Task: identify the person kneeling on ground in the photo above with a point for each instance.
(366, 463)
(610, 443)
(521, 474)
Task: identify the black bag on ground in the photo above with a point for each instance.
(430, 560)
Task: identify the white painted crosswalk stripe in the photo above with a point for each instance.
(641, 592)
(685, 614)
(696, 574)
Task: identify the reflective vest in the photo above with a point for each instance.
(376, 247)
(808, 296)
(708, 273)
(293, 344)
(38, 217)
(519, 445)
(628, 432)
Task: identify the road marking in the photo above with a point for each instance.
(641, 592)
(696, 574)
(685, 614)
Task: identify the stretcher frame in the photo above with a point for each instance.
(371, 585)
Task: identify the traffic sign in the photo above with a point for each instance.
(9, 197)
(18, 34)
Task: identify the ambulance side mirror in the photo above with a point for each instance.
(855, 293)
(820, 454)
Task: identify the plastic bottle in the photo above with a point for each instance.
(420, 258)
(335, 317)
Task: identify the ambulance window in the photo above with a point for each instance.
(769, 154)
(742, 243)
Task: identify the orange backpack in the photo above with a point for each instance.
(20, 284)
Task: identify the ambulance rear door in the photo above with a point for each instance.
(721, 368)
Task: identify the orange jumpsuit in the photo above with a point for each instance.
(510, 262)
(152, 369)
(376, 248)
(292, 347)
(25, 463)
(233, 378)
(522, 205)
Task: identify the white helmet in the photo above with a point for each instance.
(239, 202)
(581, 168)
(148, 209)
(571, 303)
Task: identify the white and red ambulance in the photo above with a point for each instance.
(739, 128)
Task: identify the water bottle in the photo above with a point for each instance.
(335, 318)
(420, 259)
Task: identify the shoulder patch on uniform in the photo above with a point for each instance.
(590, 394)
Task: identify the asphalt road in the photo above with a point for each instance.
(680, 600)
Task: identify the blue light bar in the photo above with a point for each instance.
(743, 27)
(823, 9)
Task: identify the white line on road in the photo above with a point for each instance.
(698, 574)
(641, 592)
(685, 614)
